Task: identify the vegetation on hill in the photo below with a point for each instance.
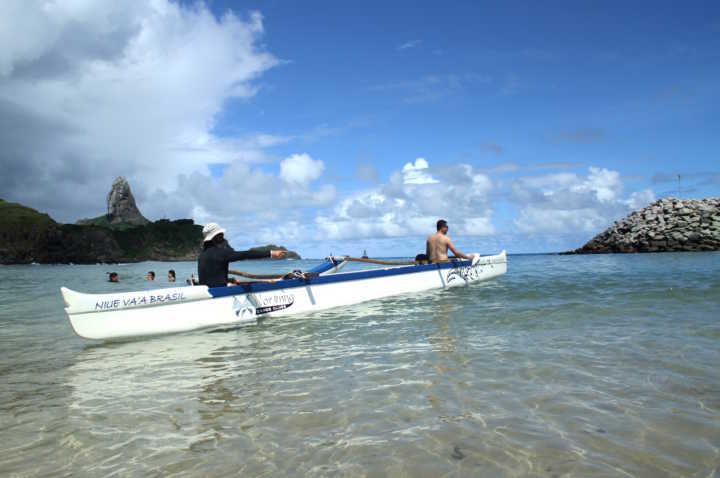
(104, 221)
(22, 230)
(162, 240)
(27, 235)
(14, 214)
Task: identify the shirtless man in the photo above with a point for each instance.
(439, 243)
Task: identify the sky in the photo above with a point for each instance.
(333, 127)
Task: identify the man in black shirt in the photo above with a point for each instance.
(217, 254)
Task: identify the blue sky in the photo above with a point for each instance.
(547, 120)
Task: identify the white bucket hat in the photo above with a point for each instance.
(211, 230)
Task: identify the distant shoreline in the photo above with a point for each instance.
(175, 261)
(28, 236)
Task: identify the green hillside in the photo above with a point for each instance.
(27, 235)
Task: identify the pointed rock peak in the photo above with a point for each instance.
(121, 207)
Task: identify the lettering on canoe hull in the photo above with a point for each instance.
(139, 300)
(275, 303)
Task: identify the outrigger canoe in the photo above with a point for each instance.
(181, 309)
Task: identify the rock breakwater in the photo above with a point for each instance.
(666, 225)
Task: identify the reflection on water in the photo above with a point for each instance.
(567, 366)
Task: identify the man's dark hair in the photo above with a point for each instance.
(441, 223)
(172, 272)
(151, 274)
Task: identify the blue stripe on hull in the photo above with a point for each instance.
(329, 279)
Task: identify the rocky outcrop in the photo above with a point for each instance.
(27, 235)
(121, 207)
(664, 226)
(122, 212)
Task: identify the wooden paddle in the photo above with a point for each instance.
(380, 262)
(272, 277)
(256, 276)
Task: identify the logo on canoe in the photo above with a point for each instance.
(273, 303)
(469, 273)
(244, 308)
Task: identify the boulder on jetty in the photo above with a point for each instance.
(667, 225)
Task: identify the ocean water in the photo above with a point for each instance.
(567, 366)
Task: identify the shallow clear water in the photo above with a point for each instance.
(567, 366)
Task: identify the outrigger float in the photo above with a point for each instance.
(181, 309)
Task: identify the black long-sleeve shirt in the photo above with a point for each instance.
(213, 263)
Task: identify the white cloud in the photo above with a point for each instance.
(640, 199)
(411, 202)
(416, 173)
(549, 182)
(39, 30)
(478, 226)
(409, 44)
(603, 183)
(300, 169)
(92, 90)
(569, 203)
(255, 206)
(538, 220)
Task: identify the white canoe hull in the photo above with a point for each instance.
(182, 309)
